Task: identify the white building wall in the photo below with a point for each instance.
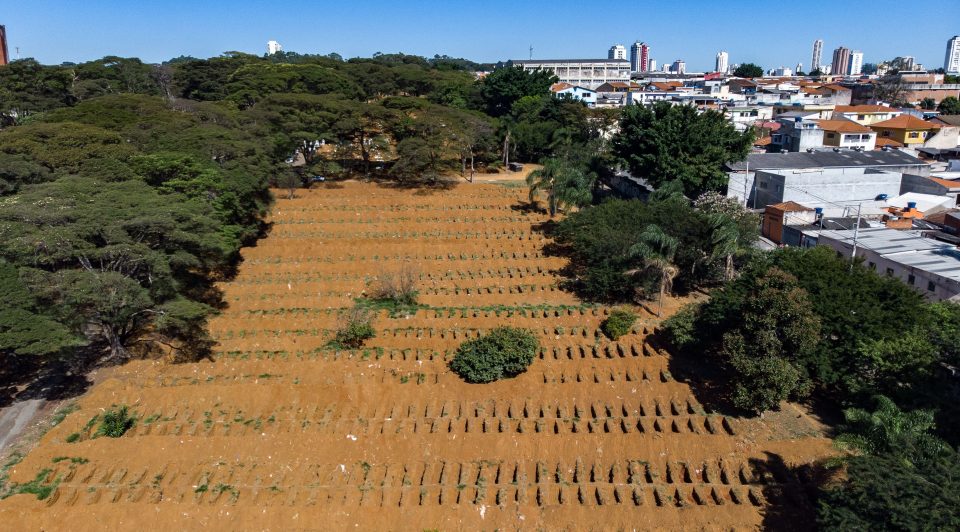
(723, 62)
(856, 63)
(951, 61)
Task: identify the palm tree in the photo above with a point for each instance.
(889, 429)
(564, 183)
(655, 251)
(724, 240)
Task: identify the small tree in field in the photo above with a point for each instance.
(398, 287)
(354, 328)
(504, 352)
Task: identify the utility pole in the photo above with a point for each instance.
(746, 194)
(856, 234)
(531, 52)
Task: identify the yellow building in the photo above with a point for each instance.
(906, 129)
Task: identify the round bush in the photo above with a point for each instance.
(504, 352)
(618, 323)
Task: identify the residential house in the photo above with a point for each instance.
(778, 215)
(865, 114)
(822, 110)
(618, 86)
(797, 132)
(905, 130)
(838, 93)
(930, 266)
(743, 117)
(588, 96)
(847, 134)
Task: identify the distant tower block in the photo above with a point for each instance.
(273, 47)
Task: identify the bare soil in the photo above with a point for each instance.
(279, 432)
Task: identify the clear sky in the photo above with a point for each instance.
(768, 33)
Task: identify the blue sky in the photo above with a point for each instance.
(756, 31)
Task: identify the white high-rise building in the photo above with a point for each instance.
(856, 63)
(617, 51)
(951, 62)
(723, 62)
(273, 47)
(678, 67)
(652, 65)
(799, 68)
(817, 51)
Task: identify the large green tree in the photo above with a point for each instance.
(668, 142)
(778, 331)
(949, 106)
(748, 70)
(508, 84)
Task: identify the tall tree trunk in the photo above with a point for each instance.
(660, 302)
(506, 150)
(472, 169)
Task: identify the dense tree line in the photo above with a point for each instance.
(128, 188)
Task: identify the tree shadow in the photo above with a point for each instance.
(528, 207)
(790, 492)
(703, 373)
(420, 187)
(30, 377)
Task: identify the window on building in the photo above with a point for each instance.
(911, 279)
(914, 135)
(930, 286)
(890, 272)
(886, 132)
(873, 266)
(861, 117)
(830, 135)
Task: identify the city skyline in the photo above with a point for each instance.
(58, 31)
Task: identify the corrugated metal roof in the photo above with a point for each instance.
(825, 159)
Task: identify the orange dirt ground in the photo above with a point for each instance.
(280, 433)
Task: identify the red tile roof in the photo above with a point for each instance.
(945, 182)
(865, 109)
(905, 122)
(790, 206)
(843, 126)
(883, 141)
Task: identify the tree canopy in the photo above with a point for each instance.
(748, 70)
(667, 143)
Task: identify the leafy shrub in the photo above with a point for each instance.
(618, 323)
(116, 422)
(680, 329)
(504, 352)
(356, 326)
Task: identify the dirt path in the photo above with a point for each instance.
(15, 418)
(280, 432)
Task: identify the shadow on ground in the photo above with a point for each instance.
(23, 378)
